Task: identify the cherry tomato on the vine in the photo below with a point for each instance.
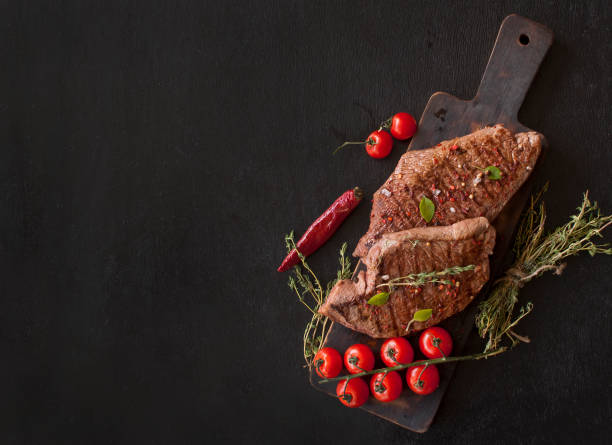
(403, 126)
(386, 387)
(358, 358)
(352, 393)
(379, 144)
(395, 351)
(328, 362)
(423, 379)
(435, 342)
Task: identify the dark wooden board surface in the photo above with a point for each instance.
(519, 49)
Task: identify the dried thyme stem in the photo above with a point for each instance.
(311, 294)
(536, 254)
(419, 279)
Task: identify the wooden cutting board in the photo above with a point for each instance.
(518, 52)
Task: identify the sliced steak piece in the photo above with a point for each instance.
(449, 175)
(422, 249)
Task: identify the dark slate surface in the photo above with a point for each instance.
(153, 155)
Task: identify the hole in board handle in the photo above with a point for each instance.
(524, 39)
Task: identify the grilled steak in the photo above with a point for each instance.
(421, 249)
(450, 175)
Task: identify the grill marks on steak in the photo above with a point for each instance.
(448, 174)
(412, 251)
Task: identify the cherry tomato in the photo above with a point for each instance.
(396, 348)
(352, 393)
(358, 358)
(423, 379)
(435, 341)
(388, 388)
(379, 144)
(403, 126)
(328, 363)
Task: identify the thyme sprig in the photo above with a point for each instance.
(312, 295)
(535, 254)
(420, 279)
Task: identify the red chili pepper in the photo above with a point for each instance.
(323, 227)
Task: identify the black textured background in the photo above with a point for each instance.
(154, 153)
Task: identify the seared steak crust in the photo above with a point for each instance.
(450, 175)
(423, 249)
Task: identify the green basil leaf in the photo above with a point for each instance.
(494, 172)
(379, 299)
(422, 315)
(427, 209)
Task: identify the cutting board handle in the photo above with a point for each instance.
(518, 52)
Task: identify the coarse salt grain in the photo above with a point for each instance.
(452, 209)
(436, 192)
(385, 192)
